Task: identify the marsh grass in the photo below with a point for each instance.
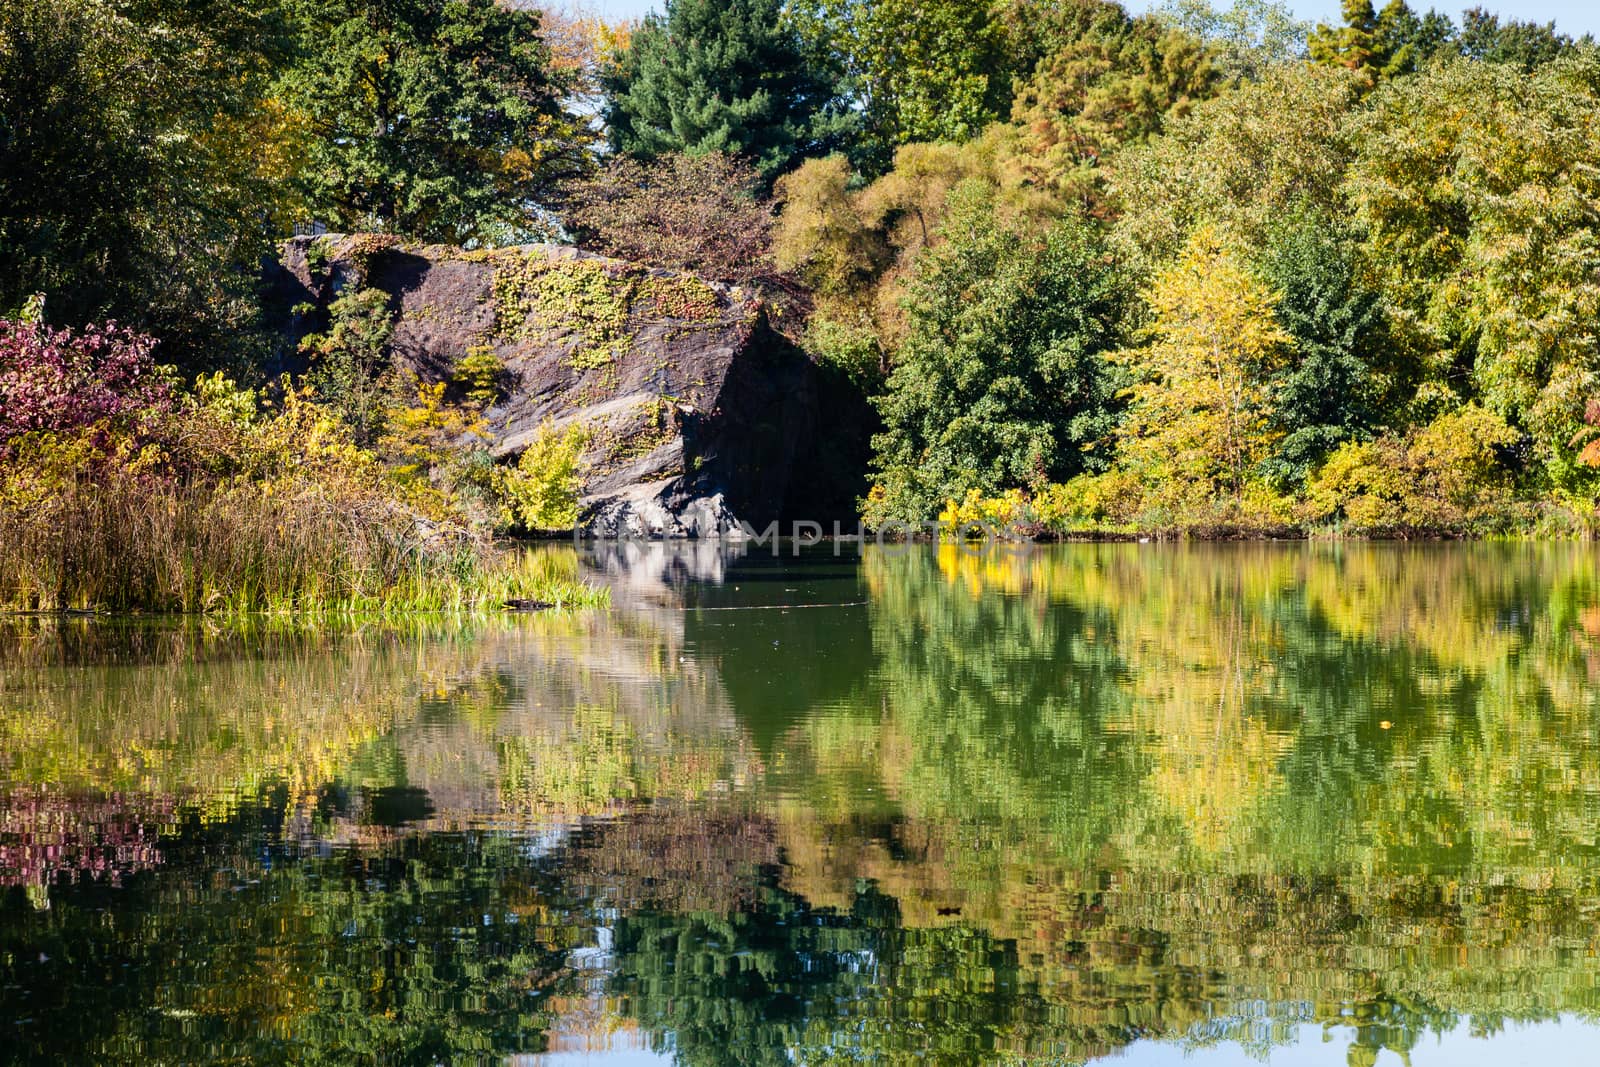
(221, 501)
(120, 543)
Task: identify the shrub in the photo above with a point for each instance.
(1006, 515)
(53, 380)
(145, 498)
(349, 364)
(1090, 502)
(852, 348)
(541, 491)
(701, 213)
(1446, 477)
(480, 375)
(203, 510)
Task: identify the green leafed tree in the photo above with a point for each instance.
(1524, 44)
(1339, 380)
(438, 119)
(141, 165)
(918, 70)
(721, 76)
(1353, 42)
(1476, 186)
(1247, 39)
(1244, 161)
(1001, 380)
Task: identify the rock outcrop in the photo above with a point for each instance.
(702, 415)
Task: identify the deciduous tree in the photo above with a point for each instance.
(1247, 39)
(702, 213)
(1001, 380)
(1244, 161)
(917, 70)
(1524, 44)
(1201, 418)
(439, 120)
(141, 166)
(1474, 181)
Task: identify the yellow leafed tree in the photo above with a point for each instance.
(1200, 419)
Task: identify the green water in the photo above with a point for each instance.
(1207, 805)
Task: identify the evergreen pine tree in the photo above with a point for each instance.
(723, 76)
(1351, 45)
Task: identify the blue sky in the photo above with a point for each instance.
(1572, 16)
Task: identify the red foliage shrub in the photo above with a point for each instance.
(63, 379)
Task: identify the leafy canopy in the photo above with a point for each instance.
(1001, 380)
(1475, 185)
(917, 70)
(1396, 40)
(142, 164)
(1247, 39)
(444, 121)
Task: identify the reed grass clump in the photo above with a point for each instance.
(212, 501)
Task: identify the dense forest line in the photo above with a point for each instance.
(1191, 270)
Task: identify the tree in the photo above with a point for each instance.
(857, 244)
(141, 167)
(1000, 381)
(1337, 383)
(1523, 44)
(918, 70)
(700, 213)
(1247, 39)
(721, 76)
(1201, 419)
(1474, 184)
(350, 368)
(824, 235)
(1112, 83)
(1244, 161)
(1382, 44)
(439, 120)
(1352, 44)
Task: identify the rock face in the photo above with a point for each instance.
(701, 415)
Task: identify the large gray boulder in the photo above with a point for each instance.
(701, 414)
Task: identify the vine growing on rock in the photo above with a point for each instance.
(603, 304)
(534, 298)
(682, 298)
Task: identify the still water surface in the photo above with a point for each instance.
(1165, 805)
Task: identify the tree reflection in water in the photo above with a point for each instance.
(1037, 804)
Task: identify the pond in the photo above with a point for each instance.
(1227, 804)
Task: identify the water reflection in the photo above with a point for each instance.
(925, 804)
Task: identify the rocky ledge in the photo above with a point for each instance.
(701, 414)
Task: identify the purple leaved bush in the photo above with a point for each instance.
(64, 379)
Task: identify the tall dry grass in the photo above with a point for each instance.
(118, 492)
(119, 544)
(124, 543)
